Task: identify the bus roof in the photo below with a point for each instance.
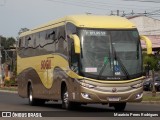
(87, 21)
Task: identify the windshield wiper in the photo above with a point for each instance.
(121, 64)
(115, 58)
(103, 67)
(119, 61)
(106, 59)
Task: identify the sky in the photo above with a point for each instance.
(17, 14)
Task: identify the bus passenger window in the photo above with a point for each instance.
(74, 59)
(27, 41)
(71, 28)
(31, 41)
(49, 35)
(19, 42)
(52, 35)
(34, 41)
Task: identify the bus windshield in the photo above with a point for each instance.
(110, 54)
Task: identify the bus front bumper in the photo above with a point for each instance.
(94, 96)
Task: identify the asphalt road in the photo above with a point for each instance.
(12, 102)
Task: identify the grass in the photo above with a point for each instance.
(150, 98)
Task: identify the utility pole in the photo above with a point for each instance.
(112, 13)
(1, 80)
(132, 13)
(117, 12)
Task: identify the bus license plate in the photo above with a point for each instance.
(114, 99)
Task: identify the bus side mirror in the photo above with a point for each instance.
(148, 44)
(76, 40)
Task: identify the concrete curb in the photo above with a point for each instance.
(9, 91)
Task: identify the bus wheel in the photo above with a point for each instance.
(65, 101)
(32, 101)
(119, 106)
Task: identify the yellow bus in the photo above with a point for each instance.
(82, 59)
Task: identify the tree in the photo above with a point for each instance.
(7, 43)
(10, 42)
(153, 62)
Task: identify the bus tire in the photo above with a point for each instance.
(66, 104)
(119, 106)
(32, 101)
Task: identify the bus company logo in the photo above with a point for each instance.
(114, 90)
(46, 64)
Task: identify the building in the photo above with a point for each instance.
(149, 27)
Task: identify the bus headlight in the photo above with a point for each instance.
(87, 85)
(137, 85)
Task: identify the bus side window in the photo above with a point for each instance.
(30, 41)
(51, 34)
(19, 42)
(73, 57)
(70, 28)
(42, 39)
(50, 41)
(27, 38)
(54, 38)
(37, 39)
(34, 41)
(60, 42)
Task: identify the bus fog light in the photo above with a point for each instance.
(86, 95)
(138, 96)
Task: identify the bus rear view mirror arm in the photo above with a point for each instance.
(148, 44)
(76, 40)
